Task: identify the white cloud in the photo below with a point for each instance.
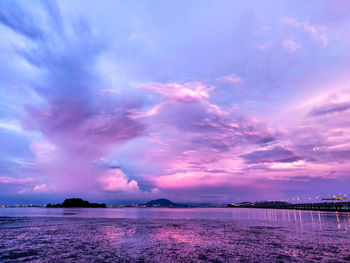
(290, 45)
(40, 188)
(232, 78)
(265, 46)
(183, 92)
(11, 125)
(316, 32)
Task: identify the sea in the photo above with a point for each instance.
(173, 235)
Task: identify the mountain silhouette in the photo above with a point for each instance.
(162, 203)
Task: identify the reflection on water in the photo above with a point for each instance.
(173, 235)
(339, 220)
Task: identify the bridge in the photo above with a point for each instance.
(327, 206)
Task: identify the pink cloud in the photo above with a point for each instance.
(75, 134)
(40, 188)
(196, 179)
(11, 180)
(116, 180)
(186, 92)
(198, 144)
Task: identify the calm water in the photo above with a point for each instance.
(173, 235)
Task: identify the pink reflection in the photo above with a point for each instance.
(180, 234)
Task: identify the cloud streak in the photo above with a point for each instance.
(329, 109)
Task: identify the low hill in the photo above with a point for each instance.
(77, 202)
(162, 203)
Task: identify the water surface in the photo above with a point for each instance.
(173, 235)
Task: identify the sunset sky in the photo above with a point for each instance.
(195, 101)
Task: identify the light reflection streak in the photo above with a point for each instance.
(319, 220)
(301, 220)
(339, 220)
(312, 219)
(338, 223)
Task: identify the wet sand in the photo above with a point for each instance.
(60, 239)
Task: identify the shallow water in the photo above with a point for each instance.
(173, 235)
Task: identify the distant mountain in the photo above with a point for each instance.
(162, 203)
(76, 202)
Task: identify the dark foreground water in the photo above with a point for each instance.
(173, 235)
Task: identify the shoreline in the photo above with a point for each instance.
(176, 208)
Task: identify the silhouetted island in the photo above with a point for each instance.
(162, 203)
(76, 202)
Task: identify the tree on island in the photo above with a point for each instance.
(76, 202)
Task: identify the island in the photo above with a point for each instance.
(76, 202)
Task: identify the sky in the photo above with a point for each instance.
(194, 101)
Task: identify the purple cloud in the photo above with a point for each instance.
(77, 124)
(329, 109)
(276, 154)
